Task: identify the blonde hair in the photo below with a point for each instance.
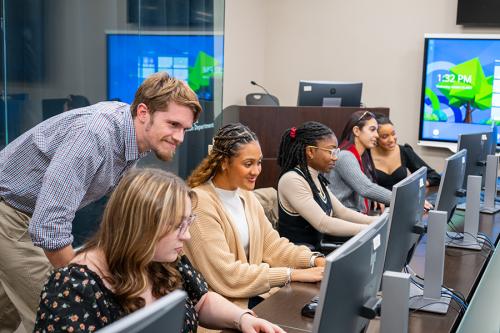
(146, 205)
(160, 89)
(227, 143)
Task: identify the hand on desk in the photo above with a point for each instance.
(251, 324)
(313, 274)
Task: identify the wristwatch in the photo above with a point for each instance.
(313, 258)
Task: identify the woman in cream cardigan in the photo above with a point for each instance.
(232, 243)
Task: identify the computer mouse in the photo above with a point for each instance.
(309, 309)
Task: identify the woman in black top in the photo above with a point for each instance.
(392, 161)
(134, 259)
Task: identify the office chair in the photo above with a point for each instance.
(329, 243)
(262, 99)
(76, 101)
(52, 107)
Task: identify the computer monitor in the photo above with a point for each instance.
(450, 187)
(459, 87)
(478, 146)
(165, 314)
(324, 93)
(407, 206)
(351, 280)
(131, 57)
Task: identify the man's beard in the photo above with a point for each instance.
(166, 157)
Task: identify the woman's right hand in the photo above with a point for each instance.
(313, 274)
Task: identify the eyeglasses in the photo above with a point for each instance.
(185, 224)
(364, 115)
(333, 151)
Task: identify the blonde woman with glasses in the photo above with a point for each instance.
(307, 208)
(353, 179)
(134, 259)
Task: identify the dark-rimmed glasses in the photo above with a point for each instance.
(185, 224)
(333, 151)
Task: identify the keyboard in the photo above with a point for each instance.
(431, 198)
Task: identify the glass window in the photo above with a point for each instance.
(58, 54)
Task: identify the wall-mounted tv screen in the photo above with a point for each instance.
(196, 59)
(478, 12)
(460, 87)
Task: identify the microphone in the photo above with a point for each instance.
(258, 85)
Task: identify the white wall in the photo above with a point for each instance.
(245, 39)
(279, 42)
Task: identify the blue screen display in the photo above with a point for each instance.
(461, 87)
(133, 57)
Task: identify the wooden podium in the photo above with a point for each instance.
(269, 123)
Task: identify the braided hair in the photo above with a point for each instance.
(359, 119)
(293, 145)
(227, 142)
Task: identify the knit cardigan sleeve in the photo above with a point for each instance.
(215, 249)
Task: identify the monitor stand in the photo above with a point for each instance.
(332, 101)
(469, 238)
(429, 298)
(490, 189)
(488, 205)
(396, 289)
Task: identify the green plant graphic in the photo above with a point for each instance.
(436, 114)
(466, 84)
(204, 69)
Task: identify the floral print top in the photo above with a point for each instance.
(75, 299)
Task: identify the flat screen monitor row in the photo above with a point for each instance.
(354, 271)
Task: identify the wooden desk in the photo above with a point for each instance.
(462, 272)
(482, 313)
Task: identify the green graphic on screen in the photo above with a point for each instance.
(466, 85)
